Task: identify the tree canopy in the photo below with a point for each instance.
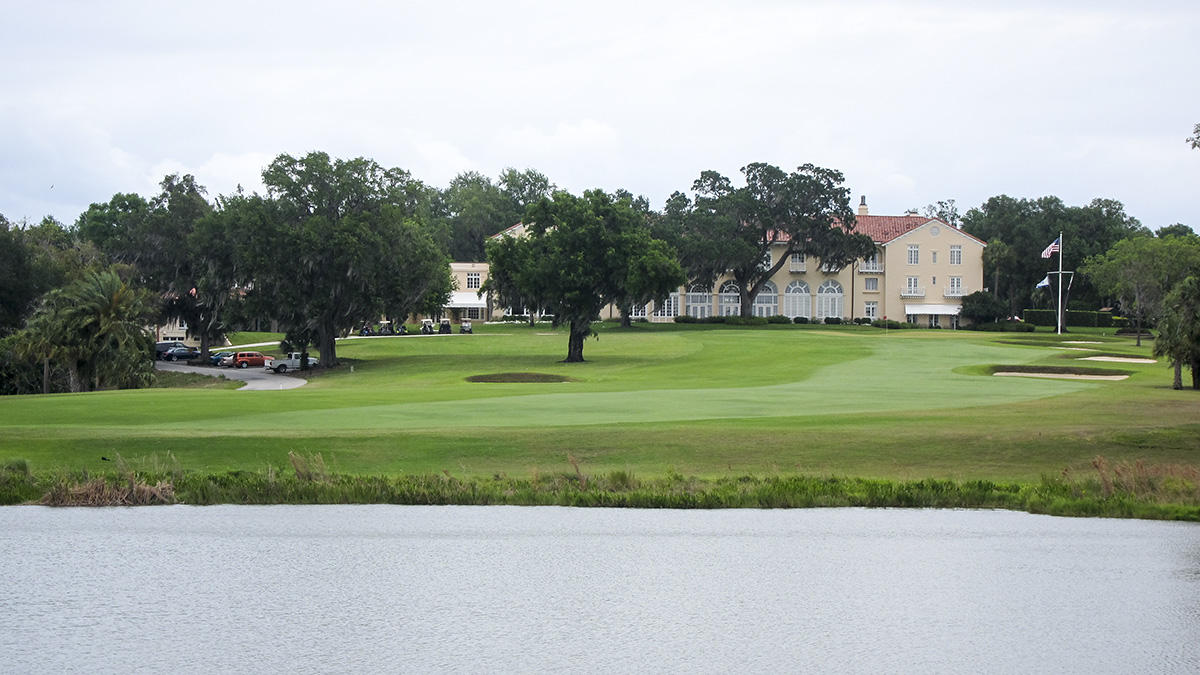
(733, 229)
(1026, 227)
(582, 253)
(1140, 272)
(337, 245)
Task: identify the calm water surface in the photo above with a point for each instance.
(509, 589)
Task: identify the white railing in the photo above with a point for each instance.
(797, 267)
(870, 267)
(954, 291)
(912, 292)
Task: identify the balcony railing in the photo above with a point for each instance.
(870, 268)
(955, 291)
(796, 267)
(912, 292)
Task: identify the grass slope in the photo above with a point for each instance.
(705, 401)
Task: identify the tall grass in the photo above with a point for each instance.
(1121, 490)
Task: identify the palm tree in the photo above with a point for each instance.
(95, 327)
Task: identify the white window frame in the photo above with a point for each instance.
(914, 254)
(699, 302)
(668, 308)
(871, 285)
(830, 300)
(729, 299)
(796, 264)
(474, 281)
(871, 309)
(955, 254)
(766, 302)
(797, 300)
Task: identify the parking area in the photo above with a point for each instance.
(256, 379)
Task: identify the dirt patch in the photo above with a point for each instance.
(1064, 376)
(1118, 359)
(1061, 372)
(520, 377)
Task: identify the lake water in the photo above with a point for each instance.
(318, 589)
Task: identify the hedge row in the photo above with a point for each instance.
(1046, 317)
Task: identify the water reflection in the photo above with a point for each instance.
(511, 589)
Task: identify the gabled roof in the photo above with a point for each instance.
(885, 229)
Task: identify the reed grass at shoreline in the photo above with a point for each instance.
(1112, 490)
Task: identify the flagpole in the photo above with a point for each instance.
(1060, 273)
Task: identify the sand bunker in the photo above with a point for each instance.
(1064, 376)
(1081, 342)
(1117, 359)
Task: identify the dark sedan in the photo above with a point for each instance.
(180, 354)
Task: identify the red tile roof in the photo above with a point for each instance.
(886, 228)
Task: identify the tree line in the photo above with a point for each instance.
(335, 243)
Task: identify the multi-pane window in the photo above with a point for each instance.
(829, 300)
(473, 281)
(797, 263)
(730, 299)
(699, 302)
(956, 287)
(955, 255)
(766, 303)
(796, 300)
(914, 254)
(872, 264)
(871, 284)
(472, 313)
(933, 257)
(669, 307)
(871, 309)
(637, 312)
(912, 286)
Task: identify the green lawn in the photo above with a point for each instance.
(702, 400)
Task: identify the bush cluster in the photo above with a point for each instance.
(1004, 327)
(778, 319)
(892, 324)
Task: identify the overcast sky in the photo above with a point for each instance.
(914, 102)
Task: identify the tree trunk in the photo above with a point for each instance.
(1137, 319)
(578, 333)
(747, 301)
(326, 344)
(1196, 374)
(626, 320)
(46, 376)
(1178, 382)
(74, 377)
(204, 346)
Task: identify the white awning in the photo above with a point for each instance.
(465, 300)
(932, 309)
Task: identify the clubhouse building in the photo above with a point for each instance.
(920, 272)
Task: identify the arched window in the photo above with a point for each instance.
(766, 303)
(829, 300)
(699, 301)
(731, 303)
(796, 300)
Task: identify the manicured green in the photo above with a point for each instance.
(702, 401)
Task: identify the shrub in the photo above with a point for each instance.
(833, 320)
(982, 307)
(892, 324)
(713, 319)
(800, 319)
(1004, 327)
(745, 321)
(1041, 317)
(778, 318)
(685, 318)
(1120, 322)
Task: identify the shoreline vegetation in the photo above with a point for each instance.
(1111, 490)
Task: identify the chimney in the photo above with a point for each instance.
(862, 206)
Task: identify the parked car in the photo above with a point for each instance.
(289, 362)
(215, 359)
(161, 348)
(247, 359)
(179, 354)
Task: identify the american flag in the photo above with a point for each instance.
(1052, 248)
